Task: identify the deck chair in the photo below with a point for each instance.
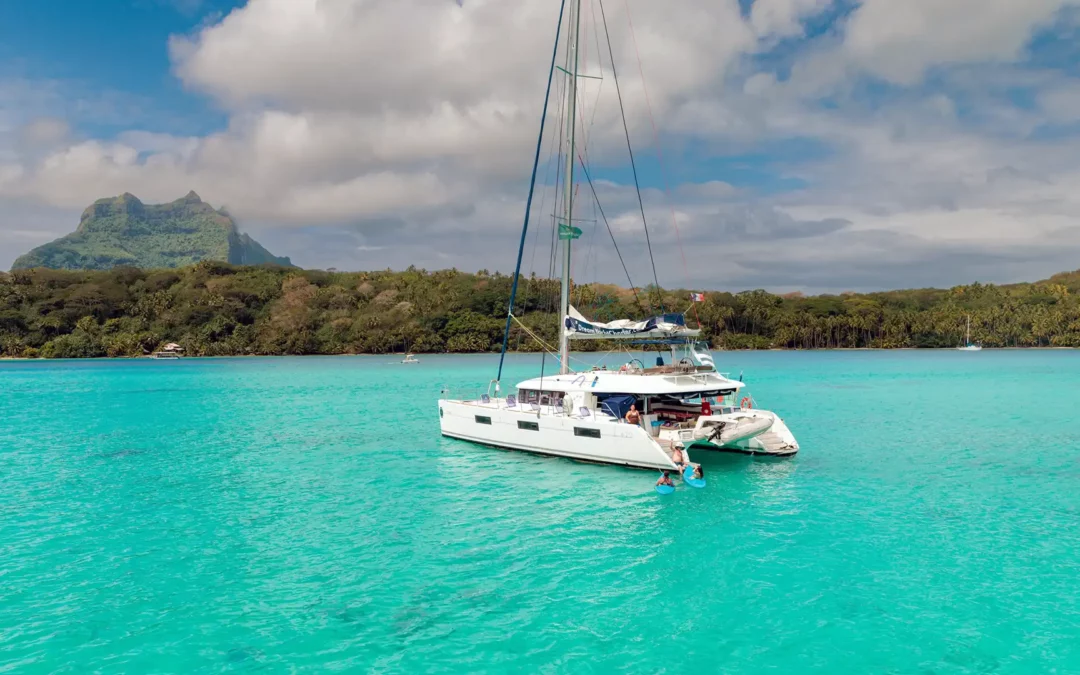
(584, 412)
(511, 401)
(484, 398)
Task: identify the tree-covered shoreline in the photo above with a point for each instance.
(216, 309)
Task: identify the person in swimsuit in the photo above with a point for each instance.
(665, 480)
(678, 456)
(698, 471)
(633, 416)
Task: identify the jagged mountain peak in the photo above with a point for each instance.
(124, 231)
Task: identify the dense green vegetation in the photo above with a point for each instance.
(124, 231)
(214, 308)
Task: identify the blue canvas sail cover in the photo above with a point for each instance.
(665, 325)
(616, 405)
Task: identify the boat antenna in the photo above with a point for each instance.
(528, 202)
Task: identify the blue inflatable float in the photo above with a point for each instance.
(688, 478)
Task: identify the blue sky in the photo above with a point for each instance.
(808, 144)
(112, 46)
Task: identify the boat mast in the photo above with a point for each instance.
(529, 200)
(566, 230)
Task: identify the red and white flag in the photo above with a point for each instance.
(697, 297)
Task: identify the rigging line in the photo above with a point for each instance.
(536, 234)
(592, 243)
(583, 48)
(543, 195)
(558, 178)
(633, 166)
(532, 187)
(622, 262)
(545, 347)
(586, 129)
(553, 251)
(600, 63)
(584, 159)
(659, 154)
(599, 88)
(574, 262)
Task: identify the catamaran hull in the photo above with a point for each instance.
(582, 438)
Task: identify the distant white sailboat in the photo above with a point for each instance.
(409, 356)
(968, 346)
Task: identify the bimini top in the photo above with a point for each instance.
(642, 383)
(665, 326)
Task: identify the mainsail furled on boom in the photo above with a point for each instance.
(657, 327)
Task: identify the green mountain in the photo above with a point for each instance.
(123, 231)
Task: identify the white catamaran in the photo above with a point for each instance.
(582, 415)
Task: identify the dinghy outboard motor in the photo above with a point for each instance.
(717, 431)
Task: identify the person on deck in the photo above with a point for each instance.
(666, 480)
(678, 455)
(633, 416)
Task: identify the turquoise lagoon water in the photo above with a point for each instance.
(304, 515)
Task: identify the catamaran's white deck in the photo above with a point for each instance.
(641, 383)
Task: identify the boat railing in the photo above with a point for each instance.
(464, 394)
(676, 369)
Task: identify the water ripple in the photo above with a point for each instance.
(304, 515)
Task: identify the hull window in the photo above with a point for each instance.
(587, 433)
(529, 426)
(483, 420)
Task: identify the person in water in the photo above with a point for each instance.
(666, 480)
(633, 416)
(699, 473)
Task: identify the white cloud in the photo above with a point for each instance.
(898, 41)
(405, 127)
(1062, 104)
(46, 131)
(784, 18)
(354, 108)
